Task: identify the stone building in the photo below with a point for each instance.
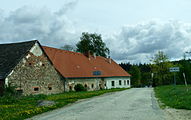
(94, 72)
(26, 66)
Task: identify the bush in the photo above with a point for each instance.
(9, 90)
(79, 87)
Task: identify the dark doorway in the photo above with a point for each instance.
(1, 86)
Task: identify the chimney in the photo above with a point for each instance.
(94, 54)
(109, 59)
(87, 54)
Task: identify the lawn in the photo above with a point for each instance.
(18, 108)
(175, 96)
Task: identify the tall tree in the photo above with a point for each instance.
(92, 43)
(160, 68)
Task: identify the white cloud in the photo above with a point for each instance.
(137, 43)
(133, 43)
(50, 28)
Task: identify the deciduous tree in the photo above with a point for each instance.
(92, 43)
(160, 68)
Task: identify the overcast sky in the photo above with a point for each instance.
(134, 30)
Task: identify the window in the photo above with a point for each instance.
(49, 88)
(70, 87)
(96, 72)
(19, 92)
(43, 64)
(85, 86)
(36, 88)
(127, 82)
(119, 82)
(124, 82)
(92, 85)
(112, 83)
(30, 63)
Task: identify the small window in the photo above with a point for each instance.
(112, 83)
(92, 85)
(49, 88)
(43, 64)
(119, 82)
(127, 82)
(124, 82)
(36, 89)
(19, 91)
(70, 87)
(97, 73)
(85, 86)
(30, 63)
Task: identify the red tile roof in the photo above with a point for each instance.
(76, 65)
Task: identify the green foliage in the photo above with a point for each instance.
(141, 73)
(26, 106)
(160, 68)
(9, 91)
(79, 87)
(92, 43)
(174, 96)
(186, 68)
(136, 76)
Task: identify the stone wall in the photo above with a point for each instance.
(35, 74)
(90, 83)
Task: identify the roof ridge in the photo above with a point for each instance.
(19, 42)
(65, 51)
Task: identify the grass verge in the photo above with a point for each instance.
(19, 108)
(174, 96)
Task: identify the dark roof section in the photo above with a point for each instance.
(11, 54)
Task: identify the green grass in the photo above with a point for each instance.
(12, 108)
(174, 96)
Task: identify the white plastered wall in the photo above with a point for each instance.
(125, 82)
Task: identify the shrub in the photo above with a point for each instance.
(9, 90)
(79, 87)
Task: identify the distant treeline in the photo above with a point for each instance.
(157, 74)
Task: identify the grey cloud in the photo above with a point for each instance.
(69, 5)
(133, 43)
(50, 28)
(139, 42)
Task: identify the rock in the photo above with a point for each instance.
(45, 103)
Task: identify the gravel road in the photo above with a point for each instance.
(132, 104)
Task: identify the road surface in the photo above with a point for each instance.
(132, 104)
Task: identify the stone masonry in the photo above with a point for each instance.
(35, 74)
(90, 84)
